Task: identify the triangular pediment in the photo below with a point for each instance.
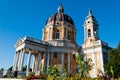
(19, 42)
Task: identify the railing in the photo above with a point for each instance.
(62, 43)
(53, 42)
(99, 42)
(104, 43)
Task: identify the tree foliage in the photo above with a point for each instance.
(2, 69)
(10, 68)
(113, 65)
(24, 68)
(84, 66)
(53, 70)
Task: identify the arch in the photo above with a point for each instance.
(89, 33)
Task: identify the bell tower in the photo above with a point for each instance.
(90, 29)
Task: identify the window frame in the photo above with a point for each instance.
(89, 32)
(55, 54)
(57, 34)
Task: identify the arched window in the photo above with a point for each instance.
(95, 32)
(57, 34)
(89, 33)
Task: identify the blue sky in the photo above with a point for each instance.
(19, 18)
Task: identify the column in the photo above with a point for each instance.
(14, 62)
(33, 66)
(38, 62)
(62, 62)
(44, 55)
(28, 63)
(21, 60)
(68, 62)
(48, 60)
(17, 61)
(35, 62)
(63, 33)
(45, 60)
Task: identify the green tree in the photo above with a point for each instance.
(24, 68)
(10, 68)
(53, 70)
(2, 69)
(113, 65)
(84, 66)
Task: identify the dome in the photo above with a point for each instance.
(60, 16)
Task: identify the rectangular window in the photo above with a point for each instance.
(55, 55)
(57, 34)
(73, 56)
(68, 36)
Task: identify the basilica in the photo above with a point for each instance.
(58, 45)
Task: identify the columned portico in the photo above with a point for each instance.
(18, 60)
(36, 62)
(57, 41)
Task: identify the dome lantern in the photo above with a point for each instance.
(60, 16)
(60, 8)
